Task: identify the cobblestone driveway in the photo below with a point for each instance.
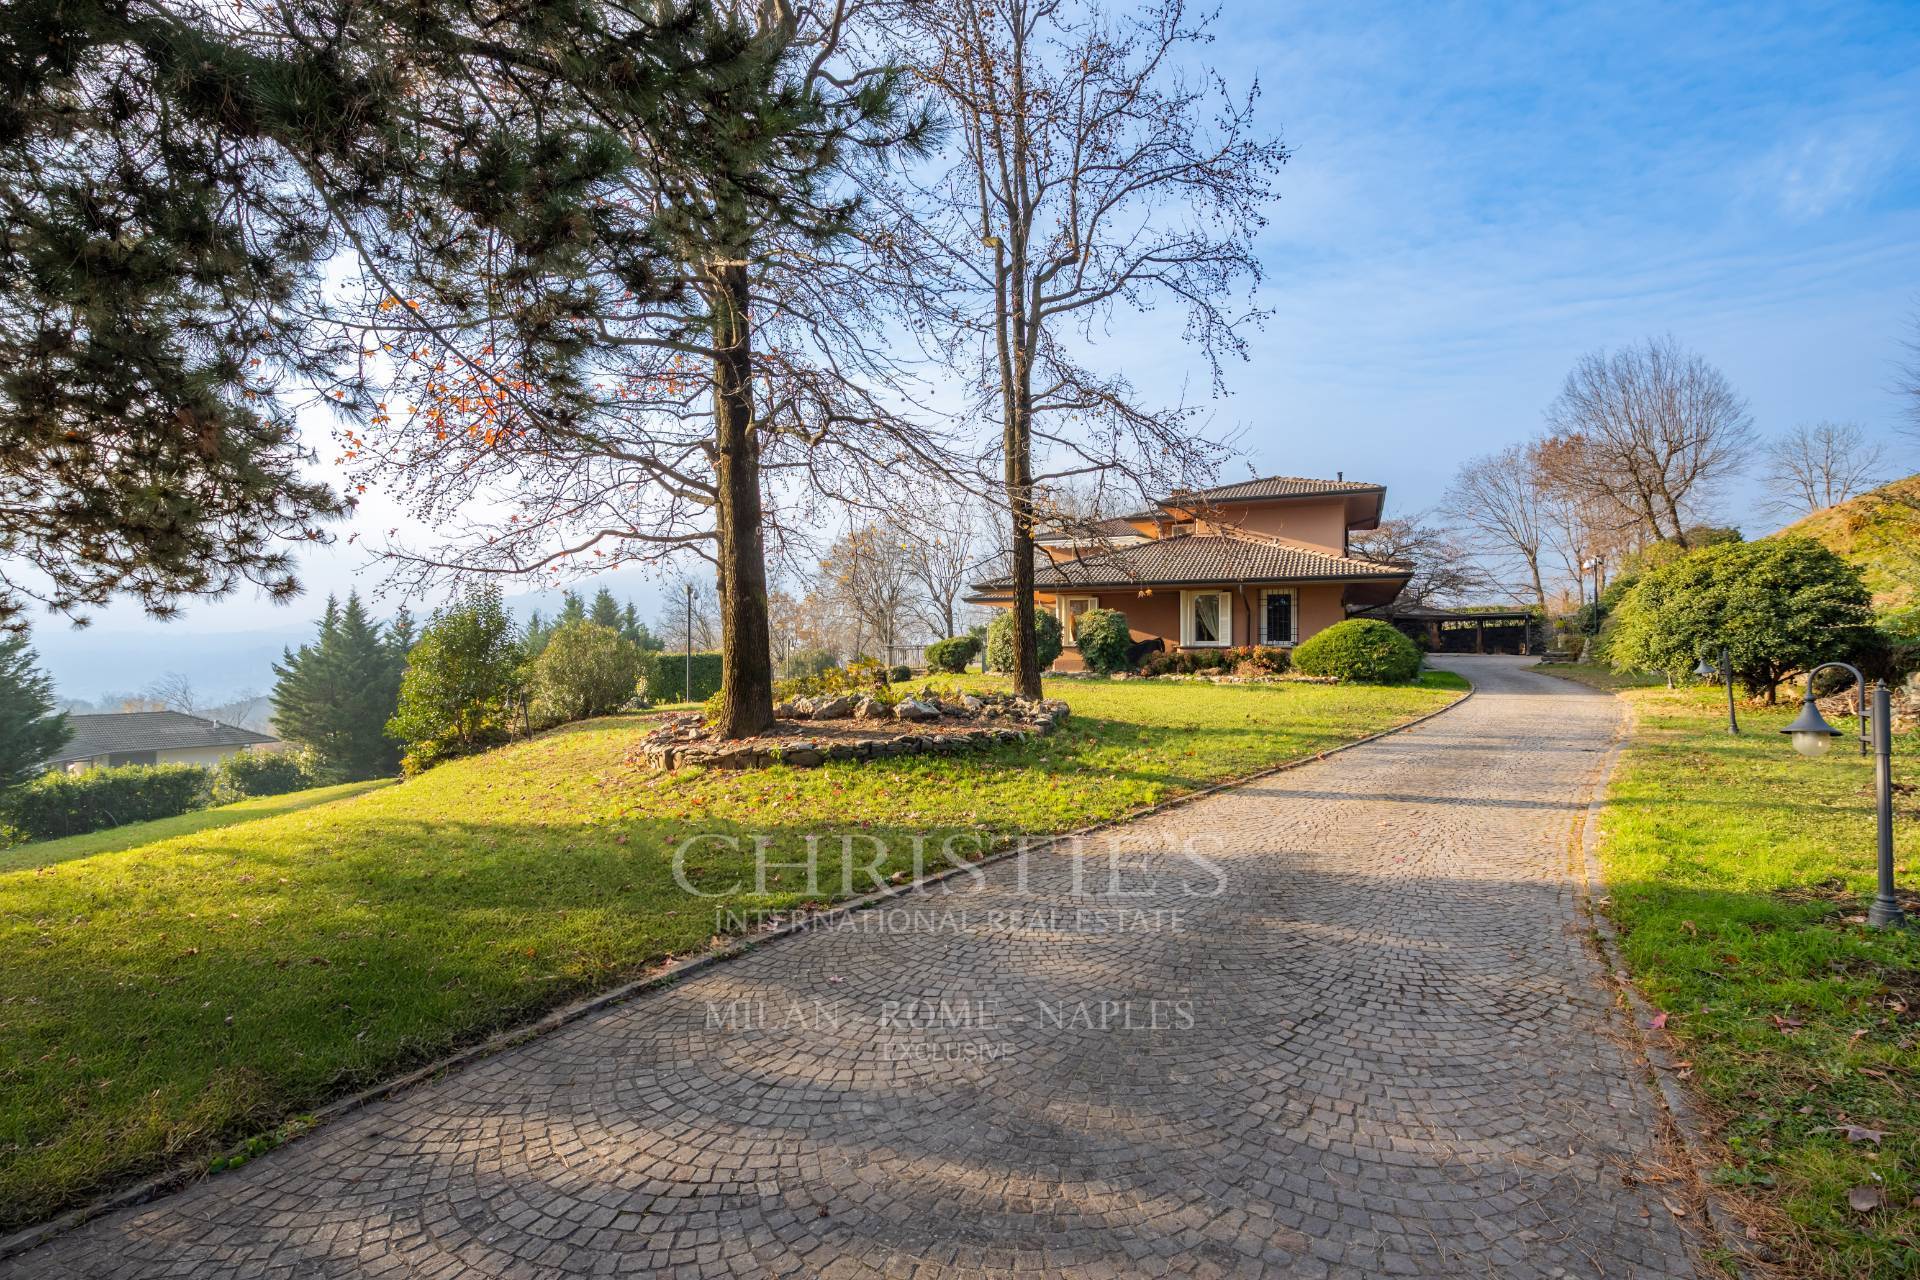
(1371, 1044)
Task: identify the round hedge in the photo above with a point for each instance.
(1000, 640)
(1104, 638)
(952, 655)
(1359, 651)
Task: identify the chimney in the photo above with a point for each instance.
(1340, 476)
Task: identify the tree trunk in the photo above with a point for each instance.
(1679, 529)
(1026, 648)
(1546, 625)
(746, 650)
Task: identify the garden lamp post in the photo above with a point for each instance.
(1812, 735)
(1707, 671)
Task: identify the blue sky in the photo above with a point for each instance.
(1478, 196)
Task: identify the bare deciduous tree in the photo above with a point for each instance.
(677, 623)
(1445, 570)
(1908, 386)
(869, 575)
(1813, 467)
(946, 543)
(1093, 175)
(1649, 430)
(175, 692)
(1503, 498)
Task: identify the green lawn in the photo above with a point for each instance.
(164, 1002)
(1738, 873)
(45, 852)
(1599, 675)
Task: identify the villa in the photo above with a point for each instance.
(1258, 562)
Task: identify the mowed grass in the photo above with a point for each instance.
(42, 852)
(1738, 872)
(1599, 675)
(165, 1002)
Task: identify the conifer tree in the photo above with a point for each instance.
(635, 630)
(158, 252)
(572, 609)
(534, 636)
(401, 635)
(335, 695)
(30, 730)
(605, 611)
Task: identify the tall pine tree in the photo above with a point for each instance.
(335, 695)
(30, 730)
(534, 636)
(635, 630)
(605, 611)
(159, 255)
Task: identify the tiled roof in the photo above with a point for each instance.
(1272, 487)
(1113, 528)
(1198, 560)
(101, 735)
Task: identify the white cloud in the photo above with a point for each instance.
(1826, 169)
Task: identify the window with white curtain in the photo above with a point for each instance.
(1206, 619)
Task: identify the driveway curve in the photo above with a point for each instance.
(1340, 1021)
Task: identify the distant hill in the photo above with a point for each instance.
(1878, 531)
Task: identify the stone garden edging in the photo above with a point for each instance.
(940, 726)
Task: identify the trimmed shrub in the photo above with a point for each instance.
(1247, 660)
(899, 672)
(1104, 638)
(1359, 651)
(70, 804)
(584, 670)
(261, 773)
(1260, 660)
(953, 655)
(664, 675)
(1780, 605)
(808, 662)
(1000, 640)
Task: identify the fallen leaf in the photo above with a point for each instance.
(1857, 1134)
(1678, 1211)
(1863, 1199)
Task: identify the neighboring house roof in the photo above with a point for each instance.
(112, 734)
(1201, 560)
(1271, 487)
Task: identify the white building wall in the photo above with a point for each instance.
(207, 757)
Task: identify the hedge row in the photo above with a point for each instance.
(664, 675)
(69, 804)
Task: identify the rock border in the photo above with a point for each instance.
(954, 726)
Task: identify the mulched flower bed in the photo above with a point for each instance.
(811, 731)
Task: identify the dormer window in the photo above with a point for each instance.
(1180, 529)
